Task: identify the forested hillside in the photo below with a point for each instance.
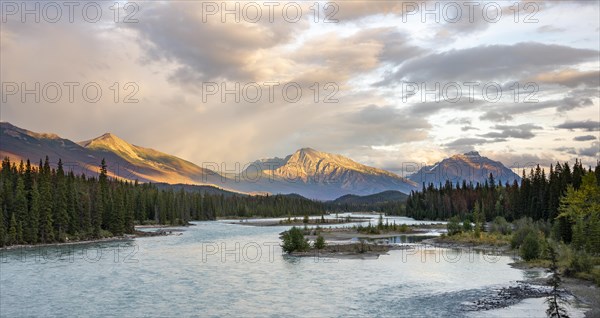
(40, 204)
(540, 196)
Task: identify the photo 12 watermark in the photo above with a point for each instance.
(69, 11)
(71, 92)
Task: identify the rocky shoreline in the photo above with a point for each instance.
(581, 291)
(508, 296)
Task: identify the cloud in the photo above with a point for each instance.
(587, 125)
(550, 29)
(431, 108)
(504, 111)
(569, 150)
(490, 62)
(592, 151)
(585, 138)
(469, 143)
(496, 116)
(332, 57)
(518, 161)
(569, 77)
(350, 11)
(524, 131)
(459, 121)
(381, 126)
(208, 47)
(467, 128)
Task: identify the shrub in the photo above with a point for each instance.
(293, 240)
(519, 236)
(530, 249)
(581, 262)
(467, 226)
(453, 226)
(320, 242)
(500, 225)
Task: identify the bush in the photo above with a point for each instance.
(530, 249)
(523, 227)
(453, 226)
(500, 225)
(293, 240)
(320, 242)
(580, 263)
(467, 226)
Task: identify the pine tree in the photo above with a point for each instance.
(12, 232)
(20, 209)
(554, 309)
(101, 199)
(46, 232)
(33, 218)
(2, 226)
(60, 213)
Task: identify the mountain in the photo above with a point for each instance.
(307, 172)
(377, 198)
(471, 167)
(322, 176)
(123, 159)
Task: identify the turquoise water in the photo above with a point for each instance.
(188, 275)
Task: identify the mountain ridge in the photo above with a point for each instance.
(469, 167)
(307, 172)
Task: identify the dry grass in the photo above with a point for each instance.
(485, 238)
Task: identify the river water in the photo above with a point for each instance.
(221, 269)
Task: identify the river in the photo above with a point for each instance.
(221, 269)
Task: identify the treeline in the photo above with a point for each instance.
(45, 205)
(397, 207)
(538, 195)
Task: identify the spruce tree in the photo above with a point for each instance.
(33, 218)
(12, 231)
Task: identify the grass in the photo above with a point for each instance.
(484, 238)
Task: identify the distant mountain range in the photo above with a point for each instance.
(382, 197)
(306, 172)
(471, 167)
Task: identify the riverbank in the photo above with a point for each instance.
(298, 222)
(126, 237)
(345, 234)
(584, 292)
(360, 250)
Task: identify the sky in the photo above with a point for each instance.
(383, 82)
